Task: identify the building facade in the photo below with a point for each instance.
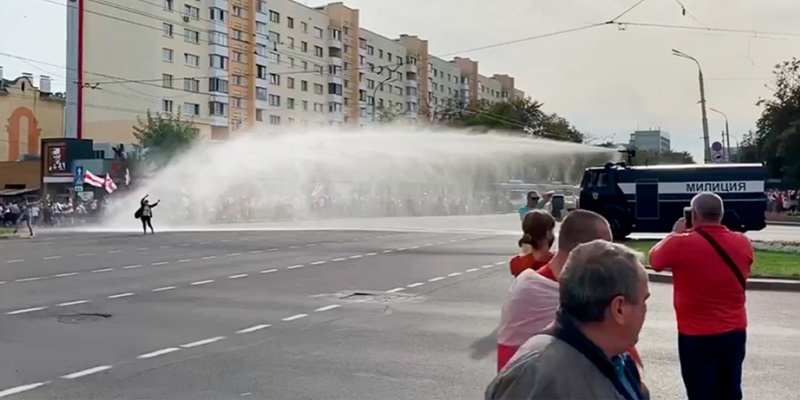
(653, 140)
(27, 115)
(233, 65)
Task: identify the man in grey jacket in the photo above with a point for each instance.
(602, 294)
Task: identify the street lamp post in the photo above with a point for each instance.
(726, 138)
(706, 144)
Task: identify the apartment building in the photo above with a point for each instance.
(386, 88)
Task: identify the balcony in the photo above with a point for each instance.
(411, 98)
(411, 84)
(337, 79)
(262, 82)
(263, 104)
(218, 120)
(218, 97)
(334, 43)
(218, 73)
(217, 49)
(336, 116)
(411, 67)
(335, 98)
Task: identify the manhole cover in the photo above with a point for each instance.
(82, 318)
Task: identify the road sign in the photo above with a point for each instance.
(78, 175)
(716, 146)
(79, 187)
(717, 153)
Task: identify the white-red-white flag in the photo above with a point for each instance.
(92, 179)
(109, 185)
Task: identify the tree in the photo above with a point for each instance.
(777, 134)
(164, 136)
(386, 115)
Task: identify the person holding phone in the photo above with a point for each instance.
(145, 213)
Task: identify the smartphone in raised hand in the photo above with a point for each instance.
(687, 216)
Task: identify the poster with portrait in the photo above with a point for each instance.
(56, 159)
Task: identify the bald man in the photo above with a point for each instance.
(710, 265)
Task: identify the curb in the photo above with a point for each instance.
(756, 283)
(784, 223)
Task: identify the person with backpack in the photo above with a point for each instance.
(145, 213)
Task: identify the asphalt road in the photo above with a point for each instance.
(296, 315)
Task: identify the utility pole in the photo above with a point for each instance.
(706, 144)
(726, 134)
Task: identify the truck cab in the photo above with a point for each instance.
(599, 192)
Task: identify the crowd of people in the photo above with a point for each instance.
(48, 212)
(782, 201)
(572, 318)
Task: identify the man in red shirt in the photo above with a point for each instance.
(710, 265)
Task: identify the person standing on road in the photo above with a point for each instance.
(145, 213)
(602, 306)
(531, 203)
(535, 244)
(710, 265)
(24, 215)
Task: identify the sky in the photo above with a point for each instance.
(607, 80)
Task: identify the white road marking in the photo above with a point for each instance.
(237, 276)
(52, 257)
(164, 247)
(294, 317)
(254, 328)
(487, 266)
(114, 251)
(267, 271)
(64, 275)
(142, 248)
(90, 371)
(2, 282)
(209, 257)
(413, 247)
(22, 388)
(85, 254)
(387, 251)
(103, 270)
(453, 241)
(371, 254)
(35, 278)
(395, 290)
(438, 278)
(471, 270)
(121, 295)
(14, 261)
(293, 247)
(245, 394)
(401, 249)
(158, 353)
(25, 310)
(440, 243)
(160, 263)
(185, 260)
(500, 263)
(327, 308)
(201, 282)
(226, 241)
(454, 274)
(256, 251)
(234, 254)
(413, 285)
(318, 262)
(311, 245)
(355, 256)
(428, 244)
(295, 266)
(202, 342)
(339, 259)
(132, 266)
(72, 303)
(185, 244)
(271, 250)
(161, 289)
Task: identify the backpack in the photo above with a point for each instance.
(138, 213)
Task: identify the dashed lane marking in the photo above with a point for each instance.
(234, 254)
(413, 285)
(22, 388)
(438, 278)
(454, 274)
(339, 259)
(256, 251)
(253, 328)
(164, 247)
(500, 263)
(114, 251)
(52, 257)
(294, 317)
(395, 290)
(35, 278)
(237, 276)
(355, 256)
(66, 274)
(371, 254)
(202, 342)
(103, 270)
(294, 247)
(185, 260)
(26, 310)
(387, 251)
(311, 245)
(295, 266)
(471, 270)
(209, 257)
(121, 295)
(89, 371)
(184, 245)
(401, 249)
(158, 353)
(142, 248)
(132, 266)
(72, 303)
(318, 262)
(487, 266)
(160, 263)
(202, 282)
(271, 250)
(14, 261)
(267, 271)
(161, 289)
(327, 308)
(85, 254)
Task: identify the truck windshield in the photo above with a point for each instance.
(595, 179)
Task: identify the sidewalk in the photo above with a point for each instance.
(755, 283)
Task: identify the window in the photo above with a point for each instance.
(191, 60)
(217, 85)
(166, 54)
(217, 108)
(334, 70)
(304, 47)
(168, 6)
(305, 65)
(239, 102)
(334, 107)
(290, 42)
(362, 43)
(191, 109)
(305, 105)
(291, 62)
(318, 51)
(290, 103)
(318, 88)
(239, 35)
(167, 30)
(259, 115)
(191, 36)
(290, 22)
(370, 50)
(261, 6)
(217, 14)
(274, 120)
(370, 84)
(191, 85)
(290, 83)
(239, 57)
(261, 49)
(274, 100)
(239, 80)
(218, 38)
(261, 93)
(261, 28)
(239, 12)
(319, 107)
(274, 79)
(335, 88)
(274, 57)
(389, 56)
(190, 11)
(304, 27)
(218, 61)
(261, 71)
(304, 86)
(291, 120)
(319, 69)
(166, 80)
(274, 17)
(336, 34)
(317, 33)
(275, 36)
(166, 106)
